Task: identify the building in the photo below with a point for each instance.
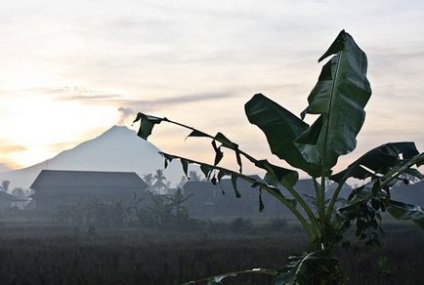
(59, 187)
(209, 200)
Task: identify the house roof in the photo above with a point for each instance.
(87, 179)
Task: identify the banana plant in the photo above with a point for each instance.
(337, 101)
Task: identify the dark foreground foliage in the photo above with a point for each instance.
(50, 254)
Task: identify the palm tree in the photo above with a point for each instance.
(4, 186)
(177, 200)
(148, 178)
(161, 185)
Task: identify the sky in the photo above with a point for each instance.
(70, 70)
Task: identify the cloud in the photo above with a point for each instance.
(8, 149)
(175, 100)
(71, 93)
(128, 112)
(4, 167)
(12, 148)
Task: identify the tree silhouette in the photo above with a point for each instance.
(19, 193)
(194, 176)
(148, 178)
(161, 185)
(4, 186)
(177, 200)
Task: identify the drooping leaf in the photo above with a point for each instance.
(238, 159)
(261, 202)
(231, 145)
(214, 180)
(276, 175)
(147, 123)
(184, 164)
(197, 133)
(234, 182)
(218, 153)
(339, 97)
(224, 140)
(403, 211)
(167, 158)
(281, 128)
(206, 169)
(378, 161)
(221, 174)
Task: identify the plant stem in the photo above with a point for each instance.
(305, 206)
(395, 172)
(333, 200)
(255, 161)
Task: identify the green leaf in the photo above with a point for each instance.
(167, 158)
(221, 174)
(228, 144)
(403, 211)
(318, 267)
(218, 153)
(185, 166)
(206, 169)
(276, 175)
(197, 133)
(147, 123)
(339, 97)
(281, 128)
(261, 202)
(234, 182)
(224, 140)
(379, 161)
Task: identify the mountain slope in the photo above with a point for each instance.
(118, 149)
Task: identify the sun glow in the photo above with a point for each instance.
(40, 127)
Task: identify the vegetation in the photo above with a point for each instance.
(17, 191)
(161, 210)
(338, 99)
(4, 186)
(46, 253)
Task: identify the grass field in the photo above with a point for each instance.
(46, 253)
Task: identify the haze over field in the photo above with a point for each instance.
(73, 69)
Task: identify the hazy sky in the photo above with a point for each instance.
(72, 69)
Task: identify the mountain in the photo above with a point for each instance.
(118, 149)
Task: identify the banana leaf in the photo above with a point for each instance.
(281, 127)
(339, 97)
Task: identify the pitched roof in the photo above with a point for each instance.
(60, 178)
